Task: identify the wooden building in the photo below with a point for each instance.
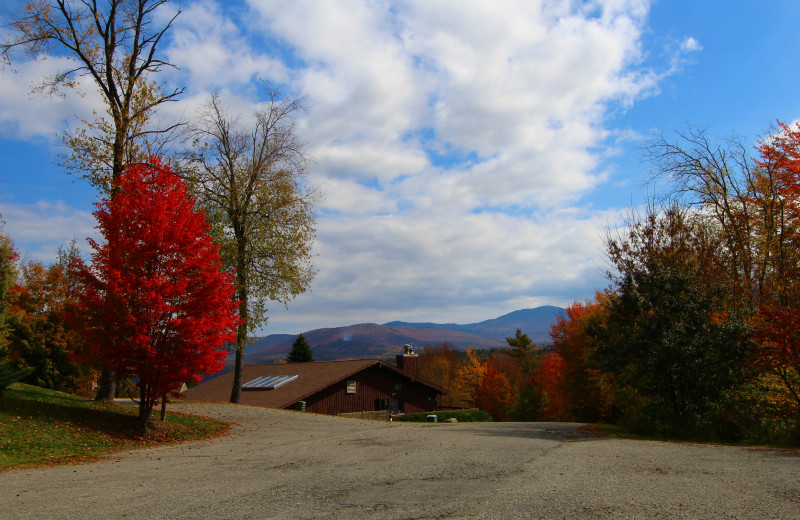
(329, 387)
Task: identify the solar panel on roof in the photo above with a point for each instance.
(267, 382)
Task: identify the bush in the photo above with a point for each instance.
(473, 416)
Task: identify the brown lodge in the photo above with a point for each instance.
(329, 387)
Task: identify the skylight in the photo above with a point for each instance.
(267, 382)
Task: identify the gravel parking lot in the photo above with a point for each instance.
(291, 465)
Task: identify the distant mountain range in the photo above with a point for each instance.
(369, 340)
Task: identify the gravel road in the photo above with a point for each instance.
(291, 465)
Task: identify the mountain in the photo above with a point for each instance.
(533, 322)
(370, 340)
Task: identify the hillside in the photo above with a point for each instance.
(367, 340)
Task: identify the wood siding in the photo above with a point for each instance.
(375, 382)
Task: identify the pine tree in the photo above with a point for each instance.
(301, 351)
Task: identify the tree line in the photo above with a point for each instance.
(698, 333)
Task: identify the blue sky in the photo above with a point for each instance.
(470, 153)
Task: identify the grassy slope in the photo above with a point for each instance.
(41, 427)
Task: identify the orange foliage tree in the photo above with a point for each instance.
(777, 323)
(469, 376)
(440, 365)
(493, 385)
(587, 391)
(497, 390)
(40, 338)
(550, 379)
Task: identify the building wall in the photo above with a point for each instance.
(372, 383)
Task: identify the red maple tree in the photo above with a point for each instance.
(499, 387)
(586, 392)
(154, 305)
(550, 380)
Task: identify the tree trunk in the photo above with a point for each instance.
(241, 341)
(163, 407)
(241, 331)
(107, 389)
(145, 409)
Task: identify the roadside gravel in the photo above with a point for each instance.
(291, 465)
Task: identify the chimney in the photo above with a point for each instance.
(408, 362)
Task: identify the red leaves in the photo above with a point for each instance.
(154, 303)
(777, 333)
(499, 386)
(781, 152)
(574, 390)
(550, 379)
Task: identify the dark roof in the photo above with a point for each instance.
(313, 377)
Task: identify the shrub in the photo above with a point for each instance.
(471, 416)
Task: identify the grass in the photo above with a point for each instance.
(41, 427)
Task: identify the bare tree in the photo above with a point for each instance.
(252, 183)
(116, 45)
(738, 196)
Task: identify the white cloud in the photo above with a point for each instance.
(691, 45)
(212, 50)
(39, 229)
(452, 268)
(453, 141)
(25, 114)
(521, 85)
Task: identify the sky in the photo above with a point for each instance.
(470, 153)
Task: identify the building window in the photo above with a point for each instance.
(351, 387)
(398, 406)
(381, 404)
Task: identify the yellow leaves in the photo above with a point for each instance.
(469, 375)
(90, 151)
(71, 30)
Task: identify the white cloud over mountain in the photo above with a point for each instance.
(457, 143)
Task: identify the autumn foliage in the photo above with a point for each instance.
(154, 304)
(441, 365)
(499, 386)
(39, 339)
(778, 337)
(698, 334)
(550, 380)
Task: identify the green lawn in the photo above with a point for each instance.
(41, 427)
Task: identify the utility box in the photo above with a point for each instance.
(433, 418)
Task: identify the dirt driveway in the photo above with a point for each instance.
(290, 465)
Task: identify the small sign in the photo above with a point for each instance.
(351, 387)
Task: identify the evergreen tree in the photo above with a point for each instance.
(523, 349)
(301, 351)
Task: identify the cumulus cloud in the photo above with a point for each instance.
(26, 114)
(454, 141)
(39, 229)
(212, 50)
(521, 87)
